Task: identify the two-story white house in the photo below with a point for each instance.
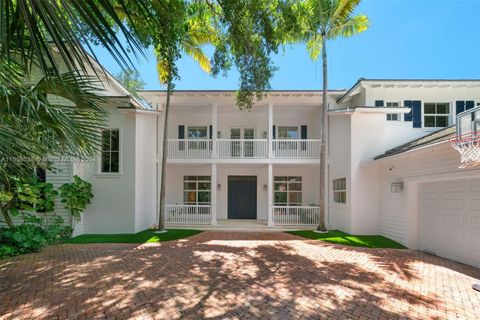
(390, 169)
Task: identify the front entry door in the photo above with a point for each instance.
(242, 197)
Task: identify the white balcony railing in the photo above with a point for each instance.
(296, 149)
(188, 214)
(189, 149)
(242, 148)
(293, 215)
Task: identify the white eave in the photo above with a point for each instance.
(381, 110)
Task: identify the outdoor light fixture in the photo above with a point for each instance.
(219, 186)
(265, 187)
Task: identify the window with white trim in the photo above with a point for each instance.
(197, 132)
(393, 116)
(196, 190)
(288, 133)
(287, 191)
(436, 114)
(340, 190)
(110, 155)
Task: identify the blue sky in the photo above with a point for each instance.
(406, 39)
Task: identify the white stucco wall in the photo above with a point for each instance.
(145, 171)
(338, 216)
(113, 207)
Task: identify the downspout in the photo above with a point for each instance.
(157, 188)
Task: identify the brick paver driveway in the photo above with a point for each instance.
(235, 275)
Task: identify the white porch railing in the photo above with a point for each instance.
(188, 214)
(304, 215)
(189, 149)
(242, 148)
(296, 149)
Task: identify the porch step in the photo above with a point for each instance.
(240, 225)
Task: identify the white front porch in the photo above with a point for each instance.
(272, 203)
(241, 225)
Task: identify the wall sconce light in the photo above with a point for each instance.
(265, 187)
(219, 186)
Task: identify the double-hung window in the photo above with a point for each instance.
(287, 191)
(196, 190)
(393, 116)
(436, 114)
(288, 133)
(110, 156)
(340, 190)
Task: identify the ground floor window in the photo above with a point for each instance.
(287, 191)
(196, 190)
(340, 190)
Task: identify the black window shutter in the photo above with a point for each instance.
(273, 136)
(408, 104)
(303, 136)
(181, 135)
(460, 106)
(210, 132)
(417, 114)
(379, 103)
(469, 104)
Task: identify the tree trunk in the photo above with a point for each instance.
(6, 216)
(161, 214)
(323, 139)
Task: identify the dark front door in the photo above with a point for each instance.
(242, 197)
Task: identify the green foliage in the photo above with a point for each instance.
(146, 236)
(31, 236)
(339, 237)
(131, 80)
(76, 196)
(327, 20)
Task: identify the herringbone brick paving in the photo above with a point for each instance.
(232, 275)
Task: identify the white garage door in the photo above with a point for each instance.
(450, 219)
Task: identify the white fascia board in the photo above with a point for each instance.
(384, 110)
(372, 162)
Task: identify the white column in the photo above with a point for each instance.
(270, 195)
(270, 130)
(213, 194)
(214, 130)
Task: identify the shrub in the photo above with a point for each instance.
(32, 235)
(76, 196)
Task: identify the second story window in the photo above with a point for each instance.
(393, 116)
(436, 114)
(288, 133)
(110, 157)
(197, 133)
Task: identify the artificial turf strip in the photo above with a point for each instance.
(340, 237)
(147, 236)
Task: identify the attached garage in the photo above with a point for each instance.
(449, 219)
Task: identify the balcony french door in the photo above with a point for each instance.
(242, 148)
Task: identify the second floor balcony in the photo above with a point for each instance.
(244, 149)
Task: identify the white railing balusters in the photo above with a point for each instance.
(295, 215)
(296, 148)
(243, 149)
(188, 214)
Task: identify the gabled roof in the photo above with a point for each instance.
(435, 137)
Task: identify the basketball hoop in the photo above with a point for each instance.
(468, 145)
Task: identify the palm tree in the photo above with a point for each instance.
(323, 20)
(190, 44)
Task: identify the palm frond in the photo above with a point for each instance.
(350, 27)
(198, 55)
